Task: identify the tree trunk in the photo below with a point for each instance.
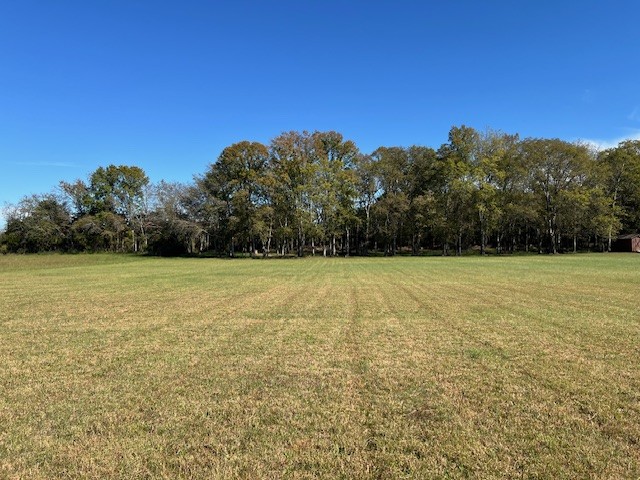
(415, 242)
(482, 234)
(300, 241)
(366, 231)
(540, 240)
(348, 249)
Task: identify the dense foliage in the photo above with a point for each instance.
(316, 193)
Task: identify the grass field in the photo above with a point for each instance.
(132, 367)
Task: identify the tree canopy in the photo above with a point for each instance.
(316, 193)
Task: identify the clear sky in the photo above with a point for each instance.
(167, 85)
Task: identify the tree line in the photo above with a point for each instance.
(317, 194)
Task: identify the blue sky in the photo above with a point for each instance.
(167, 85)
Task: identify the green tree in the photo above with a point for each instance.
(236, 179)
(455, 163)
(333, 188)
(514, 197)
(422, 184)
(78, 195)
(293, 169)
(120, 190)
(392, 171)
(39, 223)
(621, 182)
(487, 176)
(367, 191)
(557, 169)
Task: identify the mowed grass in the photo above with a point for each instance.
(131, 367)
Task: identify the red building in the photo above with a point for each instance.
(627, 243)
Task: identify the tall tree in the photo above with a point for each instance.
(392, 168)
(456, 161)
(621, 182)
(367, 191)
(333, 188)
(513, 196)
(557, 168)
(486, 176)
(291, 163)
(422, 184)
(78, 195)
(121, 190)
(236, 180)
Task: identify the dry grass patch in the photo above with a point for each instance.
(122, 366)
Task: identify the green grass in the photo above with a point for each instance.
(131, 367)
